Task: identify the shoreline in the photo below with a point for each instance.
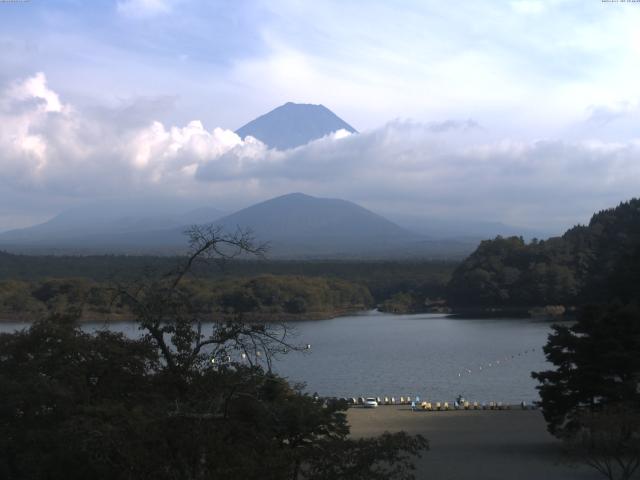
(257, 317)
(524, 313)
(550, 313)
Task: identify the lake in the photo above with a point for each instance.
(429, 355)
(434, 356)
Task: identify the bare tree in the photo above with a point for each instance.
(166, 312)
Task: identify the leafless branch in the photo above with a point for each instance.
(163, 308)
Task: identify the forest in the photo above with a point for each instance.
(268, 297)
(34, 285)
(596, 263)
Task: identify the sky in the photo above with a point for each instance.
(524, 112)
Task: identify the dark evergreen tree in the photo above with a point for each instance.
(597, 364)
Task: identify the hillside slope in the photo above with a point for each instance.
(593, 263)
(296, 224)
(98, 228)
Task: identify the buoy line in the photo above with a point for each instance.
(494, 363)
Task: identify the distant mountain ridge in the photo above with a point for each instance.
(301, 214)
(294, 124)
(442, 228)
(301, 223)
(102, 225)
(295, 226)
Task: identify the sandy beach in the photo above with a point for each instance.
(482, 445)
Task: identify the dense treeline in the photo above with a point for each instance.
(267, 295)
(71, 278)
(588, 264)
(383, 278)
(270, 294)
(98, 267)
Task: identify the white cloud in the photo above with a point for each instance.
(24, 107)
(449, 168)
(528, 7)
(36, 88)
(156, 144)
(50, 147)
(143, 8)
(604, 114)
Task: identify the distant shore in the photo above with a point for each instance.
(257, 317)
(546, 312)
(280, 317)
(475, 444)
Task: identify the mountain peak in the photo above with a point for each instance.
(294, 196)
(301, 105)
(294, 124)
(297, 223)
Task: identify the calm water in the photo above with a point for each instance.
(376, 354)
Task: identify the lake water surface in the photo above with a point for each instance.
(428, 355)
(434, 356)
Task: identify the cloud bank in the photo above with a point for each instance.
(448, 168)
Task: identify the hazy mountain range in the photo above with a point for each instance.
(441, 228)
(295, 225)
